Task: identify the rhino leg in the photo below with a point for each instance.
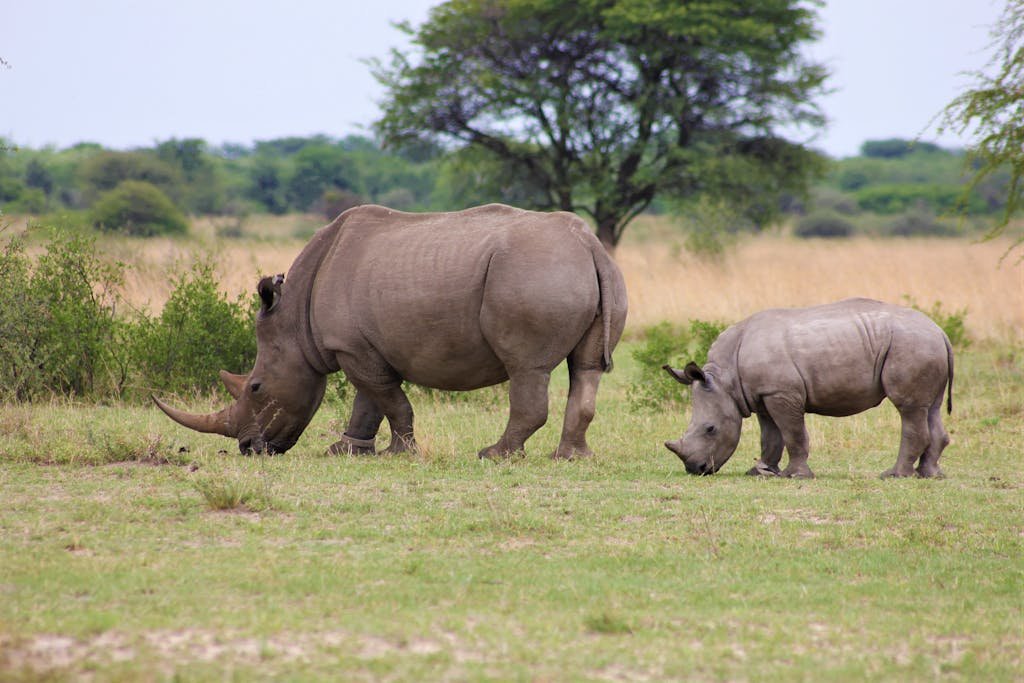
(771, 448)
(579, 412)
(788, 415)
(362, 428)
(939, 439)
(396, 407)
(527, 412)
(915, 439)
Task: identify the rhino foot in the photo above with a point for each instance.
(932, 472)
(763, 469)
(496, 453)
(572, 453)
(893, 473)
(348, 445)
(803, 472)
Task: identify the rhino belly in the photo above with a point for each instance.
(840, 387)
(450, 365)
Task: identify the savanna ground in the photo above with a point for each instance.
(132, 549)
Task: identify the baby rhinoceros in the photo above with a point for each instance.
(836, 359)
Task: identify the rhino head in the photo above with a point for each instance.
(273, 403)
(714, 430)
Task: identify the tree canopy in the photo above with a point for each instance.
(992, 112)
(599, 106)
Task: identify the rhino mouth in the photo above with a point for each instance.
(258, 446)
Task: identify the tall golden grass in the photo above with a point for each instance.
(668, 283)
(665, 281)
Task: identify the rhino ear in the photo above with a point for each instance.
(269, 290)
(688, 375)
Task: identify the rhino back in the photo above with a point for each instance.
(831, 356)
(437, 295)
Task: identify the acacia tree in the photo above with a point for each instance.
(605, 104)
(993, 111)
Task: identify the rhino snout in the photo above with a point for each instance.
(692, 466)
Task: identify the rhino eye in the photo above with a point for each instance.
(710, 430)
(256, 387)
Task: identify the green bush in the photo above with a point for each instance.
(663, 344)
(198, 333)
(823, 225)
(951, 322)
(58, 331)
(920, 222)
(897, 198)
(138, 208)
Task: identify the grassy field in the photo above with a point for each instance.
(134, 550)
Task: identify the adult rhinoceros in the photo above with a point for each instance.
(836, 359)
(453, 301)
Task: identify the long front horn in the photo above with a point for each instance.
(222, 422)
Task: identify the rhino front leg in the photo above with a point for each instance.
(788, 415)
(914, 441)
(363, 424)
(771, 448)
(527, 412)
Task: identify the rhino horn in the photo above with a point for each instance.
(234, 383)
(222, 422)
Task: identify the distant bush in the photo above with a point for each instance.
(823, 225)
(897, 198)
(919, 223)
(336, 200)
(198, 333)
(829, 200)
(663, 344)
(103, 170)
(138, 208)
(894, 148)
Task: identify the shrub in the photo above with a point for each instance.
(951, 322)
(663, 344)
(58, 332)
(920, 222)
(823, 225)
(198, 333)
(138, 208)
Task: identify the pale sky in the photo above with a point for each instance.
(128, 74)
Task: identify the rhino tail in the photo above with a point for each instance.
(949, 382)
(613, 296)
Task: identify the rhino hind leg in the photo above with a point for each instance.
(580, 409)
(915, 440)
(527, 412)
(772, 445)
(928, 466)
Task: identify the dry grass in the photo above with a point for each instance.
(668, 283)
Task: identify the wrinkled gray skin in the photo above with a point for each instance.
(453, 301)
(837, 359)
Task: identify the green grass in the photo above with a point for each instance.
(131, 549)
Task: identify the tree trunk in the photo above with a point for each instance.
(606, 233)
